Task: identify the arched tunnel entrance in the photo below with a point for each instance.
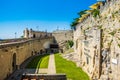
(51, 47)
(14, 62)
(54, 48)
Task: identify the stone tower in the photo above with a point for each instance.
(26, 33)
(30, 33)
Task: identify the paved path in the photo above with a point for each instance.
(42, 71)
(51, 66)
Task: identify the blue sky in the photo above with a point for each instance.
(16, 15)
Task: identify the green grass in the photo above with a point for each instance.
(69, 68)
(39, 62)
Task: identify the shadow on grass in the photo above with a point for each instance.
(36, 62)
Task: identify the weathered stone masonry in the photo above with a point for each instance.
(12, 55)
(97, 42)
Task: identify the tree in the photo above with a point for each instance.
(69, 44)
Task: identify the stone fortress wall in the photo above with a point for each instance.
(97, 42)
(35, 34)
(63, 35)
(12, 55)
(59, 35)
(14, 52)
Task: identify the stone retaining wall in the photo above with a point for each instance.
(14, 54)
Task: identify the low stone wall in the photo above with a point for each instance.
(44, 77)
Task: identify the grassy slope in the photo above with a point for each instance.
(69, 68)
(39, 62)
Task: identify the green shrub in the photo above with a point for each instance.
(69, 44)
(95, 13)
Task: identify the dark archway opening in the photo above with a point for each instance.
(34, 36)
(54, 48)
(14, 67)
(41, 51)
(32, 53)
